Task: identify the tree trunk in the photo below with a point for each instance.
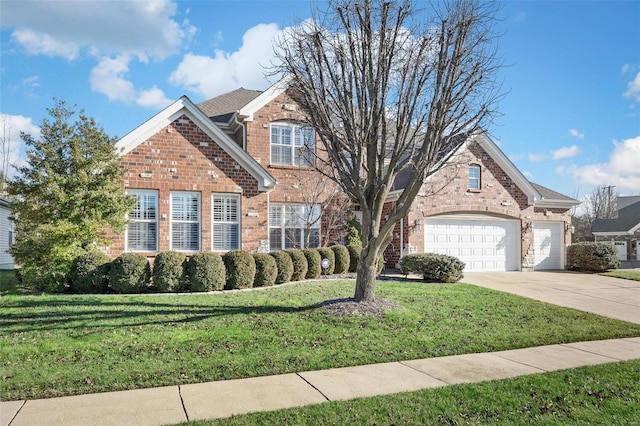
(366, 278)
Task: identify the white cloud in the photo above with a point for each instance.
(566, 152)
(10, 128)
(633, 89)
(109, 78)
(576, 133)
(61, 28)
(535, 157)
(622, 169)
(209, 76)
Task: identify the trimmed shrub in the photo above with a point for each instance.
(266, 270)
(300, 264)
(354, 233)
(341, 255)
(313, 262)
(590, 256)
(285, 266)
(90, 272)
(169, 272)
(327, 253)
(205, 272)
(354, 256)
(241, 269)
(433, 267)
(130, 273)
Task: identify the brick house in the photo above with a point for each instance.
(622, 231)
(231, 173)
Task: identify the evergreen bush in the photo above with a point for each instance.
(241, 269)
(341, 254)
(169, 272)
(354, 256)
(327, 253)
(300, 264)
(592, 256)
(433, 267)
(354, 233)
(90, 272)
(285, 266)
(205, 272)
(313, 262)
(130, 273)
(266, 270)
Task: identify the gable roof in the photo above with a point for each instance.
(627, 222)
(184, 106)
(537, 195)
(222, 108)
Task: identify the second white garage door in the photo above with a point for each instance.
(483, 243)
(548, 245)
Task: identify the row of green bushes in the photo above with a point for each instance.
(95, 272)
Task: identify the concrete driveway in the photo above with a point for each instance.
(606, 296)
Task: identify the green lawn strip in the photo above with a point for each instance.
(66, 345)
(606, 394)
(620, 273)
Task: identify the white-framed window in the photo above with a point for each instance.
(142, 230)
(292, 144)
(292, 225)
(474, 177)
(225, 222)
(185, 221)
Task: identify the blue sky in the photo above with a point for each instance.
(570, 120)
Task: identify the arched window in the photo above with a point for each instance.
(474, 177)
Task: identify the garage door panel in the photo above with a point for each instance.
(548, 243)
(483, 245)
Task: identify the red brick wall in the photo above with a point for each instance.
(181, 157)
(499, 196)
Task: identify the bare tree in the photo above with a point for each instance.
(6, 150)
(601, 203)
(388, 87)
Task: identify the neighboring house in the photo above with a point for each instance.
(231, 173)
(6, 235)
(622, 231)
(483, 210)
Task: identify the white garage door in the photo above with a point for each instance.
(548, 245)
(483, 243)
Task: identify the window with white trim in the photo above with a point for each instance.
(225, 217)
(291, 224)
(292, 144)
(474, 177)
(185, 221)
(142, 229)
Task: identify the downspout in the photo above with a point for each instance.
(402, 238)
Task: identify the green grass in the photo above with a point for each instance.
(621, 273)
(65, 345)
(9, 284)
(606, 394)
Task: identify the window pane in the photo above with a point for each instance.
(141, 236)
(293, 238)
(314, 238)
(226, 237)
(275, 239)
(474, 177)
(226, 222)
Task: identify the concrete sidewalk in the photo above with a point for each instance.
(173, 404)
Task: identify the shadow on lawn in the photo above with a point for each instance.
(39, 315)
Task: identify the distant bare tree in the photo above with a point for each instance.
(601, 203)
(388, 87)
(6, 150)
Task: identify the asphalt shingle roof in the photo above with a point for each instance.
(628, 218)
(550, 194)
(221, 108)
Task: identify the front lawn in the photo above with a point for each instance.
(66, 345)
(626, 274)
(595, 395)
